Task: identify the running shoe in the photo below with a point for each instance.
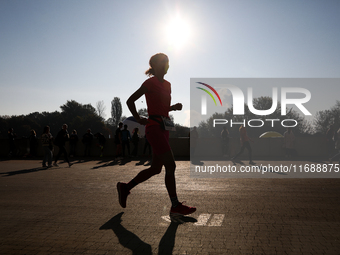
(181, 210)
(123, 192)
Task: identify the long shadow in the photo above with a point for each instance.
(144, 162)
(107, 164)
(24, 171)
(126, 237)
(80, 161)
(83, 159)
(167, 243)
(197, 162)
(136, 245)
(104, 161)
(334, 161)
(124, 161)
(141, 162)
(237, 161)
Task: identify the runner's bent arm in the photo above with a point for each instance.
(132, 107)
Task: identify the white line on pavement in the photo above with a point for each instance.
(202, 219)
(216, 220)
(166, 218)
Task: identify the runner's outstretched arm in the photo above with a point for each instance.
(176, 107)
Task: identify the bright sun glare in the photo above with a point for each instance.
(178, 32)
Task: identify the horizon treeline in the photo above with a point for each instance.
(81, 117)
(77, 116)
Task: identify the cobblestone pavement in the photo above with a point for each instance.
(75, 210)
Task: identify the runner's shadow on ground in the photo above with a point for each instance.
(125, 237)
(24, 171)
(135, 244)
(167, 243)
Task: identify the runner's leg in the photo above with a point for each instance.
(156, 168)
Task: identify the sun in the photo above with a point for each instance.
(178, 32)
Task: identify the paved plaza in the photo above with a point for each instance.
(75, 210)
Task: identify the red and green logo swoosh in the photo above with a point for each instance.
(213, 90)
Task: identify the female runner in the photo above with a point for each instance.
(158, 97)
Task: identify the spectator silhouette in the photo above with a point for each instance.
(289, 142)
(118, 139)
(46, 139)
(147, 146)
(337, 146)
(87, 141)
(126, 137)
(135, 141)
(12, 147)
(33, 143)
(60, 140)
(330, 141)
(244, 144)
(101, 142)
(225, 141)
(73, 142)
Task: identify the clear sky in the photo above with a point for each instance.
(88, 51)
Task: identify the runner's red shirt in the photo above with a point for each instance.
(158, 96)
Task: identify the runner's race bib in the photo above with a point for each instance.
(168, 124)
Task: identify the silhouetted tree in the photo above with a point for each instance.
(323, 119)
(181, 131)
(100, 107)
(77, 116)
(116, 111)
(143, 112)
